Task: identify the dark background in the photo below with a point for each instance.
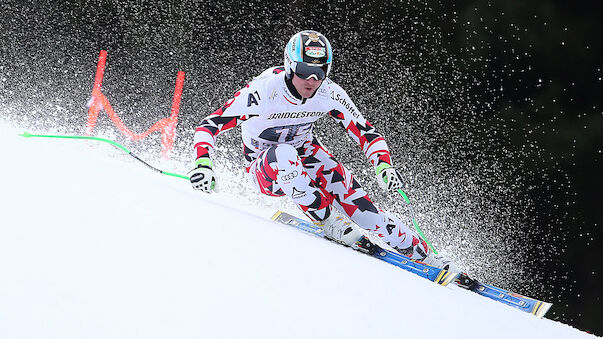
(492, 109)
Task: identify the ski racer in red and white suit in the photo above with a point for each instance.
(277, 111)
(285, 158)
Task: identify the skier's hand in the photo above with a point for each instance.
(203, 178)
(388, 178)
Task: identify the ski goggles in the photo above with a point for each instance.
(307, 71)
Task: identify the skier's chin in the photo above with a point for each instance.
(307, 92)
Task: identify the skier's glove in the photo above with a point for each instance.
(388, 178)
(203, 177)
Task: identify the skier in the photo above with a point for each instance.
(277, 111)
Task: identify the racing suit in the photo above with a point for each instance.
(283, 157)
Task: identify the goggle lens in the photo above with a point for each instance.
(306, 71)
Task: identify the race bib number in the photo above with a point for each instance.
(286, 133)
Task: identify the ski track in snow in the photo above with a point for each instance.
(95, 245)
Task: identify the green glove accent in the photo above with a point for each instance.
(381, 167)
(204, 162)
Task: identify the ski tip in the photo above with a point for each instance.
(541, 308)
(275, 216)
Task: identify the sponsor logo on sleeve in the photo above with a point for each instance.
(348, 105)
(253, 99)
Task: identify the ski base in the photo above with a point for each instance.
(437, 275)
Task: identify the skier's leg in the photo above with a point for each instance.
(344, 192)
(278, 171)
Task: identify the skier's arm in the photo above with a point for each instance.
(359, 129)
(232, 114)
(370, 141)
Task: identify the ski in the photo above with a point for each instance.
(518, 301)
(434, 274)
(437, 275)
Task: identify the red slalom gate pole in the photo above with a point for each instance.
(177, 94)
(167, 126)
(169, 134)
(95, 107)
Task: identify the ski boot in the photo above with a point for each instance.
(341, 230)
(440, 261)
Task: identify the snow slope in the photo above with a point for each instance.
(94, 245)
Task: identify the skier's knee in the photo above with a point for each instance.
(285, 152)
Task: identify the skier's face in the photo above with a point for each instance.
(306, 87)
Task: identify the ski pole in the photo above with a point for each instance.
(123, 148)
(414, 220)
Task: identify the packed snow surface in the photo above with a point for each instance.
(95, 245)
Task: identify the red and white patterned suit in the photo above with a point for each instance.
(284, 158)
